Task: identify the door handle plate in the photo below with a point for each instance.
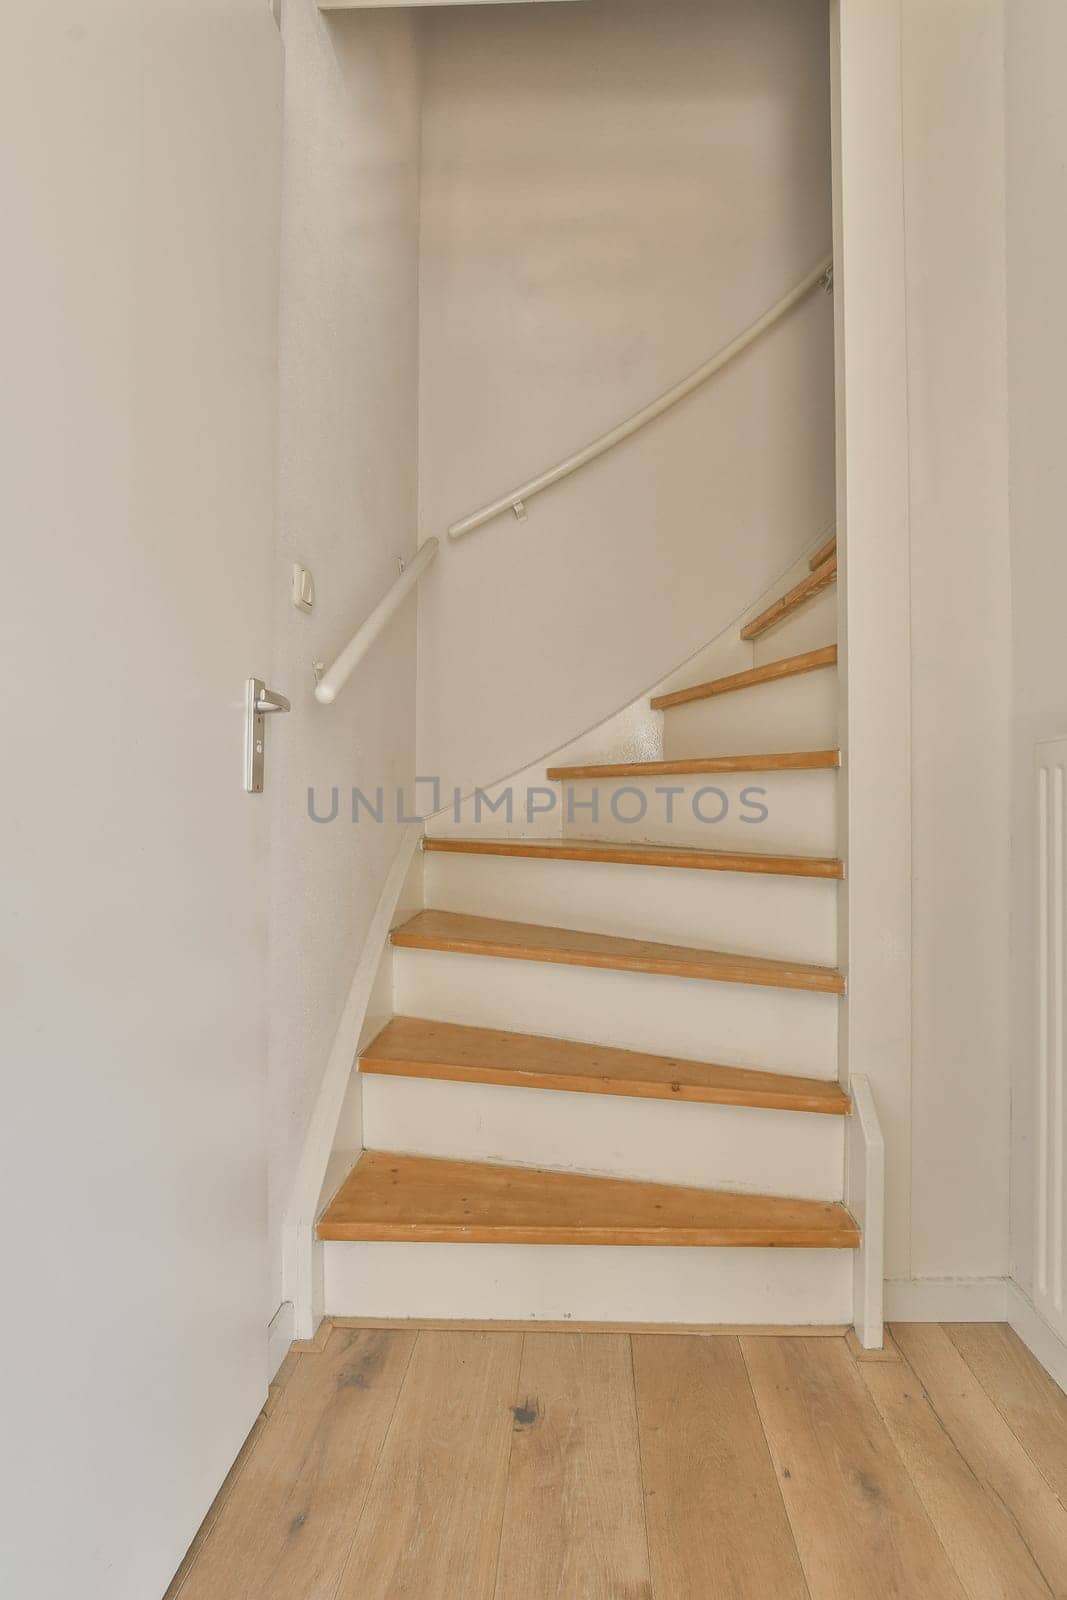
(260, 702)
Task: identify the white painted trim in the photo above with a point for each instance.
(874, 582)
(279, 1337)
(301, 1255)
(946, 1300)
(865, 1195)
(1041, 1340)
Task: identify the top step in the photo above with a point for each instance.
(805, 590)
(771, 672)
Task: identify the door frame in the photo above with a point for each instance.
(874, 589)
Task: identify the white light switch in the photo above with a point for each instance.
(303, 588)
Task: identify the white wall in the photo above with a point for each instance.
(953, 124)
(139, 158)
(611, 191)
(1036, 38)
(347, 508)
(925, 615)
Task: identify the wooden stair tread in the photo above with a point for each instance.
(413, 1047)
(794, 761)
(801, 592)
(525, 941)
(644, 855)
(395, 1198)
(823, 553)
(788, 667)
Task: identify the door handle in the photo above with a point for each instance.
(260, 702)
(267, 700)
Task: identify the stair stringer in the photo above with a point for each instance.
(326, 1158)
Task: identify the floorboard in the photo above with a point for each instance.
(716, 1522)
(857, 1518)
(992, 1451)
(980, 1536)
(527, 1464)
(1032, 1404)
(574, 1520)
(192, 1555)
(288, 1526)
(431, 1524)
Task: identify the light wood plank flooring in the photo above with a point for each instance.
(525, 1464)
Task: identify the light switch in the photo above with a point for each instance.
(303, 588)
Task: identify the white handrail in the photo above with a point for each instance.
(516, 499)
(336, 676)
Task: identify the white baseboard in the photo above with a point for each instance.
(946, 1300)
(1041, 1340)
(279, 1337)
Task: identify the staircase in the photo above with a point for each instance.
(625, 1034)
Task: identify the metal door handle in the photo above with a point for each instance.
(267, 700)
(260, 702)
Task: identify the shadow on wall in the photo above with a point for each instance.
(610, 193)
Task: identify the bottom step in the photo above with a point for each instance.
(555, 1283)
(414, 1199)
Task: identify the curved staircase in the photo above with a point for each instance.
(647, 1057)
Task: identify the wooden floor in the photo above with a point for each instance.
(532, 1465)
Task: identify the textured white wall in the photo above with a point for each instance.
(1036, 46)
(346, 507)
(611, 191)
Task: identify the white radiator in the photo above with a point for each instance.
(1049, 1262)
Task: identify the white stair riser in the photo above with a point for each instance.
(595, 1283)
(750, 913)
(778, 1030)
(800, 810)
(809, 628)
(712, 1147)
(797, 713)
